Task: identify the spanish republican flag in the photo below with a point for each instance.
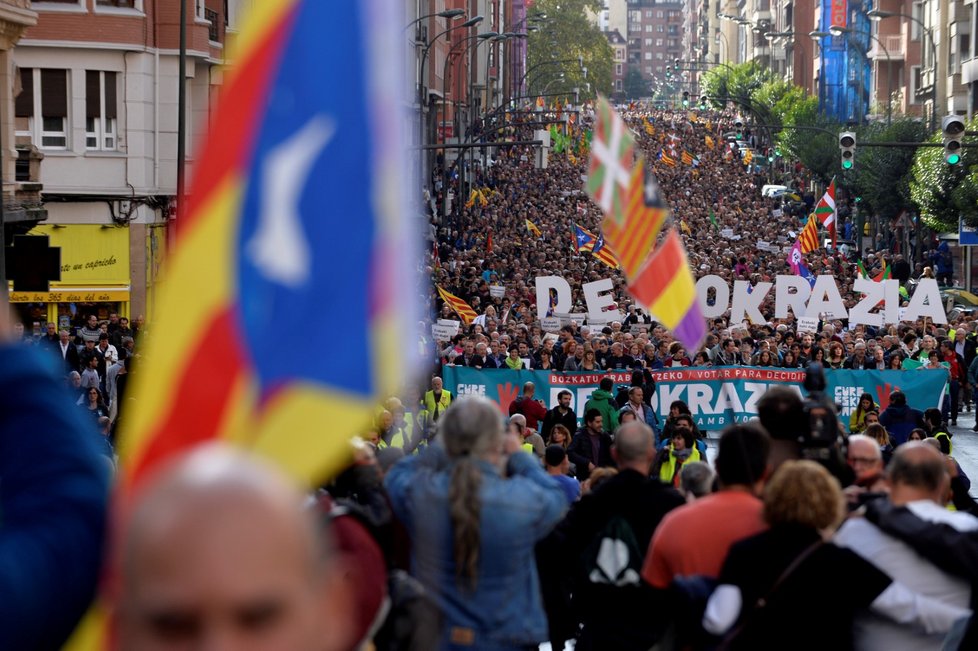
(255, 247)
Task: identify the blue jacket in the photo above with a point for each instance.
(53, 497)
(899, 421)
(505, 609)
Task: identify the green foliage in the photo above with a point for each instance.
(882, 174)
(817, 150)
(943, 192)
(568, 34)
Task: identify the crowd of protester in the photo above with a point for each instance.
(459, 527)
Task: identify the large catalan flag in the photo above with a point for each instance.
(666, 159)
(460, 307)
(256, 245)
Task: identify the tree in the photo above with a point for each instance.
(881, 176)
(635, 86)
(817, 150)
(943, 192)
(568, 35)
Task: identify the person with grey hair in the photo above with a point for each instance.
(474, 506)
(696, 480)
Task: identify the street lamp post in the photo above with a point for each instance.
(421, 88)
(878, 15)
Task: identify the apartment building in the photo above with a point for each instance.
(619, 56)
(95, 123)
(654, 35)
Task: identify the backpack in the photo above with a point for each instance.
(614, 558)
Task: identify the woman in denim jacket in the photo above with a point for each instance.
(474, 507)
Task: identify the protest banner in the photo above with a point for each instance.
(717, 396)
(879, 305)
(497, 291)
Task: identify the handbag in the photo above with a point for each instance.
(730, 639)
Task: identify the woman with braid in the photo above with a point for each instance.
(474, 506)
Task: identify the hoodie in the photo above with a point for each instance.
(604, 402)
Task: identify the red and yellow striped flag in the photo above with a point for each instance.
(633, 233)
(809, 235)
(461, 308)
(530, 226)
(251, 237)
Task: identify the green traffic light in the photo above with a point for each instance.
(953, 159)
(847, 164)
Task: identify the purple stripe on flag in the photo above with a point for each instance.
(692, 329)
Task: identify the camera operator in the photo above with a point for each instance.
(806, 429)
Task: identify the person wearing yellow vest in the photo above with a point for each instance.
(437, 400)
(670, 459)
(532, 442)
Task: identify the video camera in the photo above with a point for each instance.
(823, 431)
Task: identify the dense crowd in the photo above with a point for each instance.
(475, 247)
(458, 527)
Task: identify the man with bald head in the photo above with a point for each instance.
(618, 612)
(919, 481)
(219, 553)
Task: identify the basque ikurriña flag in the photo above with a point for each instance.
(269, 335)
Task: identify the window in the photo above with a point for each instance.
(658, 14)
(658, 55)
(618, 69)
(199, 9)
(917, 11)
(648, 42)
(660, 28)
(618, 85)
(42, 117)
(648, 28)
(648, 56)
(648, 13)
(619, 54)
(214, 29)
(658, 42)
(648, 70)
(101, 111)
(915, 82)
(126, 4)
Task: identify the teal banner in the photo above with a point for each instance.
(717, 396)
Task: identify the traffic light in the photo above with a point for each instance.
(952, 128)
(685, 99)
(770, 155)
(739, 128)
(702, 102)
(847, 145)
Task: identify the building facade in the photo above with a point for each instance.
(95, 123)
(619, 58)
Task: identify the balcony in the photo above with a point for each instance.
(893, 44)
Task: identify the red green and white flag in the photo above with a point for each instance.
(612, 158)
(825, 210)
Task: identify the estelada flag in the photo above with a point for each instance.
(255, 246)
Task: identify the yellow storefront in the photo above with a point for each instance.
(95, 276)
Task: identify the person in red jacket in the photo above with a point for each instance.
(534, 410)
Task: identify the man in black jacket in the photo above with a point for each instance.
(616, 608)
(591, 446)
(562, 414)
